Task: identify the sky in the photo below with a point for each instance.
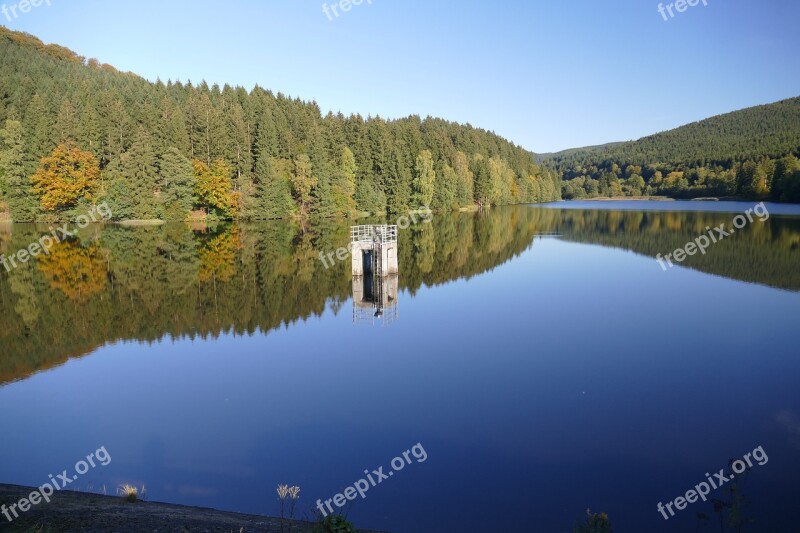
(545, 74)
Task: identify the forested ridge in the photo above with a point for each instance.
(75, 132)
(750, 153)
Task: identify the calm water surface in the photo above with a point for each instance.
(540, 355)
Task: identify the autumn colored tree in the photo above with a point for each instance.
(465, 189)
(66, 176)
(344, 185)
(214, 186)
(424, 179)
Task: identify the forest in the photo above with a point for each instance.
(75, 131)
(748, 154)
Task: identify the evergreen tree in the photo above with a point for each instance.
(89, 131)
(277, 191)
(177, 178)
(397, 182)
(445, 189)
(39, 127)
(303, 182)
(747, 179)
(66, 126)
(139, 170)
(13, 180)
(484, 189)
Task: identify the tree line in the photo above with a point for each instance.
(74, 131)
(752, 153)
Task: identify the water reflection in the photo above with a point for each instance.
(375, 273)
(117, 283)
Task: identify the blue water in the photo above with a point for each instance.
(575, 375)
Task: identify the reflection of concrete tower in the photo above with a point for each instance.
(375, 270)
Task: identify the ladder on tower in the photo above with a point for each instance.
(377, 271)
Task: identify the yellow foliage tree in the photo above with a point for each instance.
(67, 175)
(214, 186)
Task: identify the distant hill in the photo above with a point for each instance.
(749, 153)
(550, 155)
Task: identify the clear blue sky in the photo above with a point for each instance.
(547, 75)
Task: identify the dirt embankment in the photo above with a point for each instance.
(79, 511)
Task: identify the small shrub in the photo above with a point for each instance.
(593, 523)
(335, 524)
(129, 493)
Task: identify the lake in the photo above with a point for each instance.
(540, 356)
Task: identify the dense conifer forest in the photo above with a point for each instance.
(752, 153)
(74, 132)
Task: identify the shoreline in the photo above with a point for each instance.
(82, 511)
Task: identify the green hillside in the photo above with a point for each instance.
(750, 153)
(173, 150)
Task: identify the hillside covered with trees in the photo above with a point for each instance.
(75, 132)
(752, 153)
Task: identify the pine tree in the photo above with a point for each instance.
(66, 126)
(115, 123)
(747, 179)
(177, 178)
(445, 189)
(39, 129)
(89, 130)
(13, 180)
(171, 129)
(277, 190)
(303, 182)
(483, 181)
(398, 183)
(140, 172)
